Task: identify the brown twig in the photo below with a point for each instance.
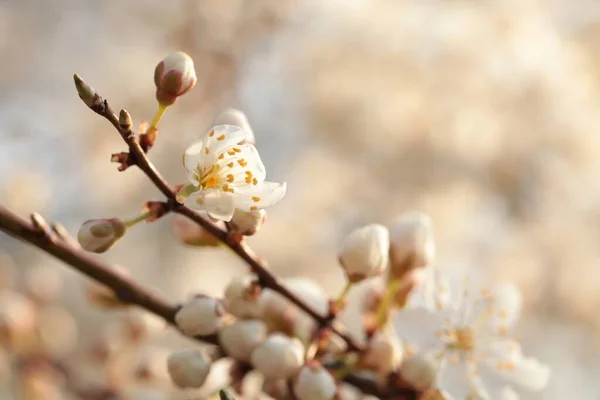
(130, 291)
(124, 126)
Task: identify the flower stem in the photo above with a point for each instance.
(386, 302)
(342, 297)
(131, 222)
(158, 115)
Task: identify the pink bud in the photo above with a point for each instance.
(99, 235)
(174, 76)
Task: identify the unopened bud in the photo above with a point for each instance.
(99, 235)
(241, 337)
(419, 371)
(247, 223)
(242, 297)
(192, 234)
(202, 315)
(314, 383)
(364, 252)
(189, 368)
(437, 394)
(278, 357)
(86, 92)
(174, 76)
(125, 121)
(411, 243)
(232, 116)
(384, 354)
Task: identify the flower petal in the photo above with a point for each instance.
(244, 163)
(218, 139)
(217, 204)
(419, 327)
(193, 157)
(526, 372)
(454, 378)
(263, 195)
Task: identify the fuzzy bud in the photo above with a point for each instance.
(173, 77)
(202, 315)
(364, 252)
(242, 297)
(189, 368)
(314, 383)
(384, 354)
(278, 357)
(192, 234)
(241, 337)
(411, 243)
(419, 371)
(99, 235)
(232, 116)
(247, 223)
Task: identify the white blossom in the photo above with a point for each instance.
(189, 368)
(314, 383)
(364, 252)
(278, 357)
(470, 343)
(226, 175)
(202, 315)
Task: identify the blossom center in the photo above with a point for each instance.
(464, 338)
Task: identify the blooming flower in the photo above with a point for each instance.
(469, 342)
(226, 175)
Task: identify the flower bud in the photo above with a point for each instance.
(232, 116)
(411, 243)
(278, 357)
(419, 371)
(99, 235)
(314, 383)
(247, 223)
(202, 315)
(383, 354)
(242, 297)
(364, 252)
(277, 389)
(189, 368)
(173, 77)
(192, 234)
(241, 337)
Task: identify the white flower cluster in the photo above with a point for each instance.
(445, 345)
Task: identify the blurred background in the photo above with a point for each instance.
(483, 114)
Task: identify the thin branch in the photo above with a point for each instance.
(123, 124)
(132, 292)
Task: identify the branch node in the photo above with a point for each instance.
(42, 227)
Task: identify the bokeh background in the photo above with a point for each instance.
(484, 114)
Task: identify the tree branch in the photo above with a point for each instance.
(132, 292)
(123, 124)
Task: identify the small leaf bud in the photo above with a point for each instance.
(99, 235)
(278, 357)
(174, 76)
(188, 368)
(201, 315)
(364, 252)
